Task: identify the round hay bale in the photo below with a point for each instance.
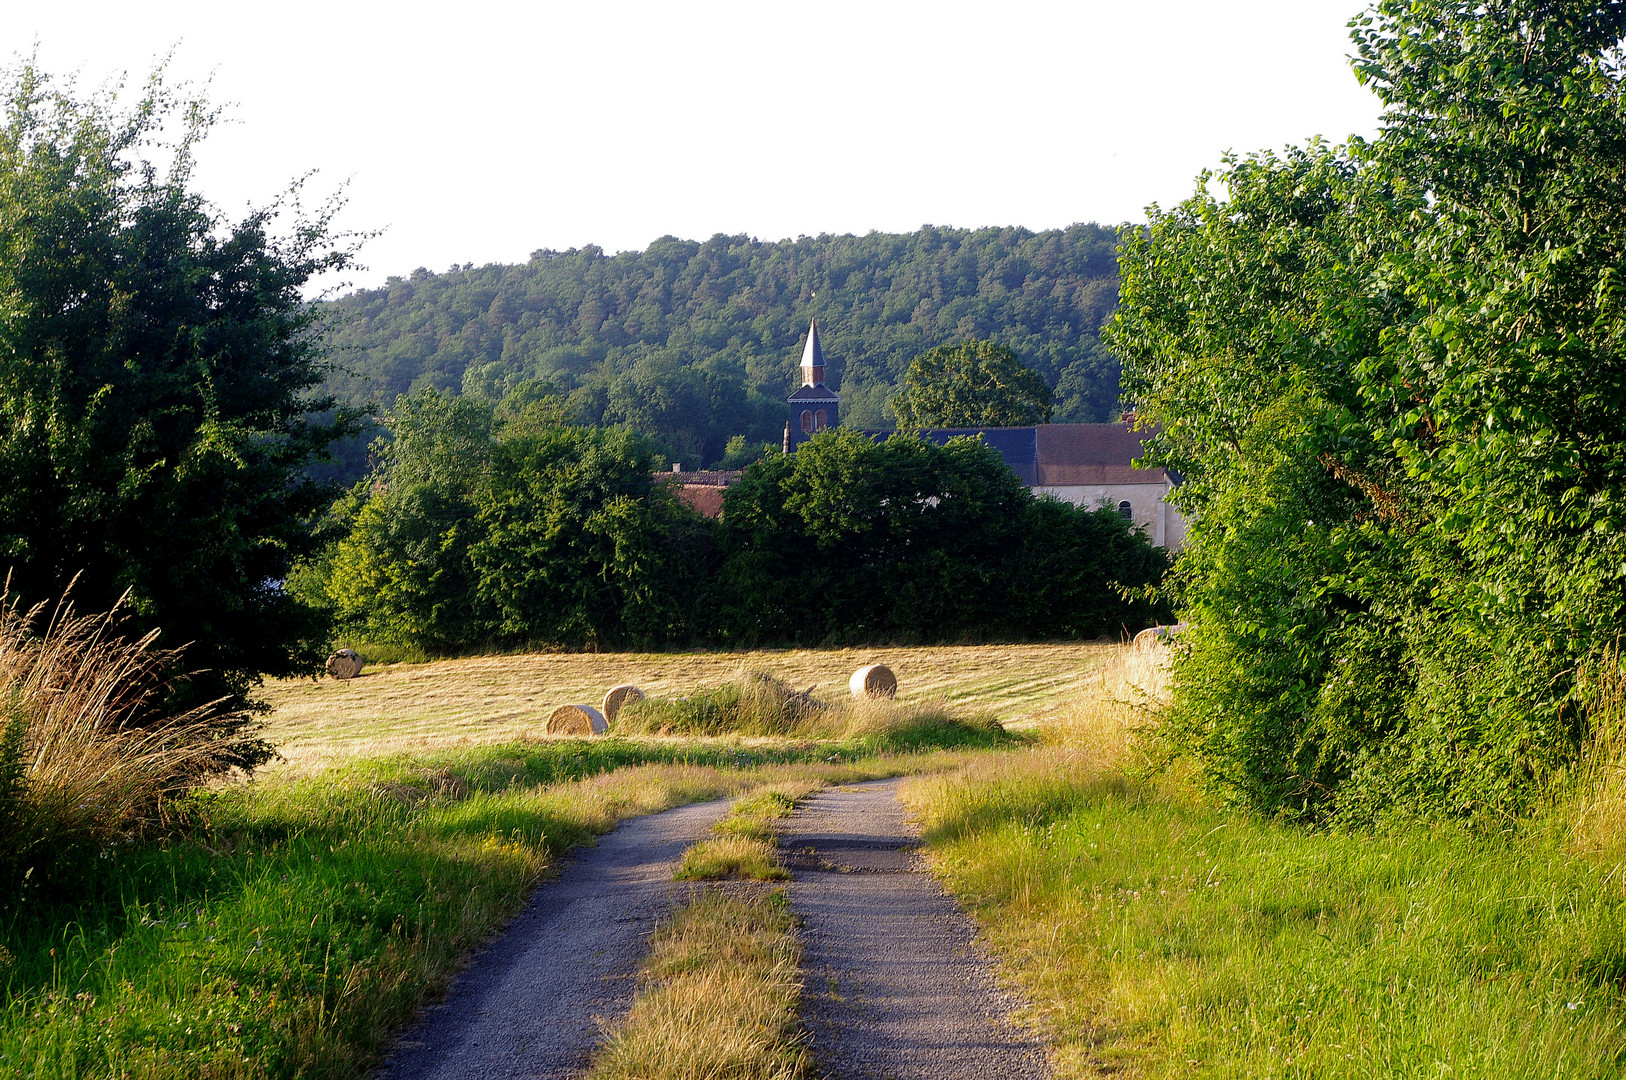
(1157, 635)
(344, 664)
(617, 697)
(873, 680)
(576, 720)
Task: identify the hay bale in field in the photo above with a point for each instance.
(617, 697)
(873, 680)
(1157, 635)
(576, 720)
(344, 664)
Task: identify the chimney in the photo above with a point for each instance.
(677, 466)
(786, 448)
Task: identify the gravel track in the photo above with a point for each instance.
(897, 986)
(526, 1006)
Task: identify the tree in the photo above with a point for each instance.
(508, 526)
(1390, 374)
(850, 539)
(972, 384)
(158, 389)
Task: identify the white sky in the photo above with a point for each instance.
(481, 131)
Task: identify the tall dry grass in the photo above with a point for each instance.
(1598, 795)
(88, 757)
(718, 997)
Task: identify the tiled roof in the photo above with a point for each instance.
(706, 499)
(815, 393)
(1065, 455)
(1089, 454)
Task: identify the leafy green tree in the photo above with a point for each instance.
(580, 546)
(159, 375)
(850, 539)
(507, 526)
(1391, 376)
(972, 384)
(402, 572)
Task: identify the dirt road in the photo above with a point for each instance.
(896, 985)
(526, 1006)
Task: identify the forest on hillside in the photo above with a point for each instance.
(695, 343)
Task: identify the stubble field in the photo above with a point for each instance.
(392, 708)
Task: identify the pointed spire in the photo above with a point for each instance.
(812, 357)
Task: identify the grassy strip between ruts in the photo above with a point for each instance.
(1158, 935)
(717, 996)
(306, 920)
(746, 846)
(719, 992)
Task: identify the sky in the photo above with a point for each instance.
(482, 131)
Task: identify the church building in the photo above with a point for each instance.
(1084, 464)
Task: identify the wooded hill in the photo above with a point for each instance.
(695, 343)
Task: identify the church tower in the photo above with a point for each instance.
(814, 406)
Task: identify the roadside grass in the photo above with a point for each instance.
(1156, 934)
(746, 846)
(301, 921)
(717, 997)
(413, 707)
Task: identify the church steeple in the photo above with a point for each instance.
(812, 357)
(814, 406)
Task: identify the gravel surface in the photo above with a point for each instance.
(526, 1006)
(896, 985)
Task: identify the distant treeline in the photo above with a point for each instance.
(695, 343)
(505, 526)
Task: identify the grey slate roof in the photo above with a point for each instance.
(813, 352)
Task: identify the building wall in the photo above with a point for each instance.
(1147, 507)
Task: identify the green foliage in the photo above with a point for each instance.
(1391, 376)
(972, 384)
(485, 525)
(158, 378)
(850, 539)
(694, 343)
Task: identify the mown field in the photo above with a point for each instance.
(416, 707)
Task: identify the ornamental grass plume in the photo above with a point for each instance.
(88, 756)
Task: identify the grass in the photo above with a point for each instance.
(747, 844)
(1156, 934)
(303, 920)
(424, 706)
(717, 997)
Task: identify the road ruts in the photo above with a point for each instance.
(897, 987)
(526, 1006)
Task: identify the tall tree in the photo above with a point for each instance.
(1391, 374)
(159, 375)
(971, 384)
